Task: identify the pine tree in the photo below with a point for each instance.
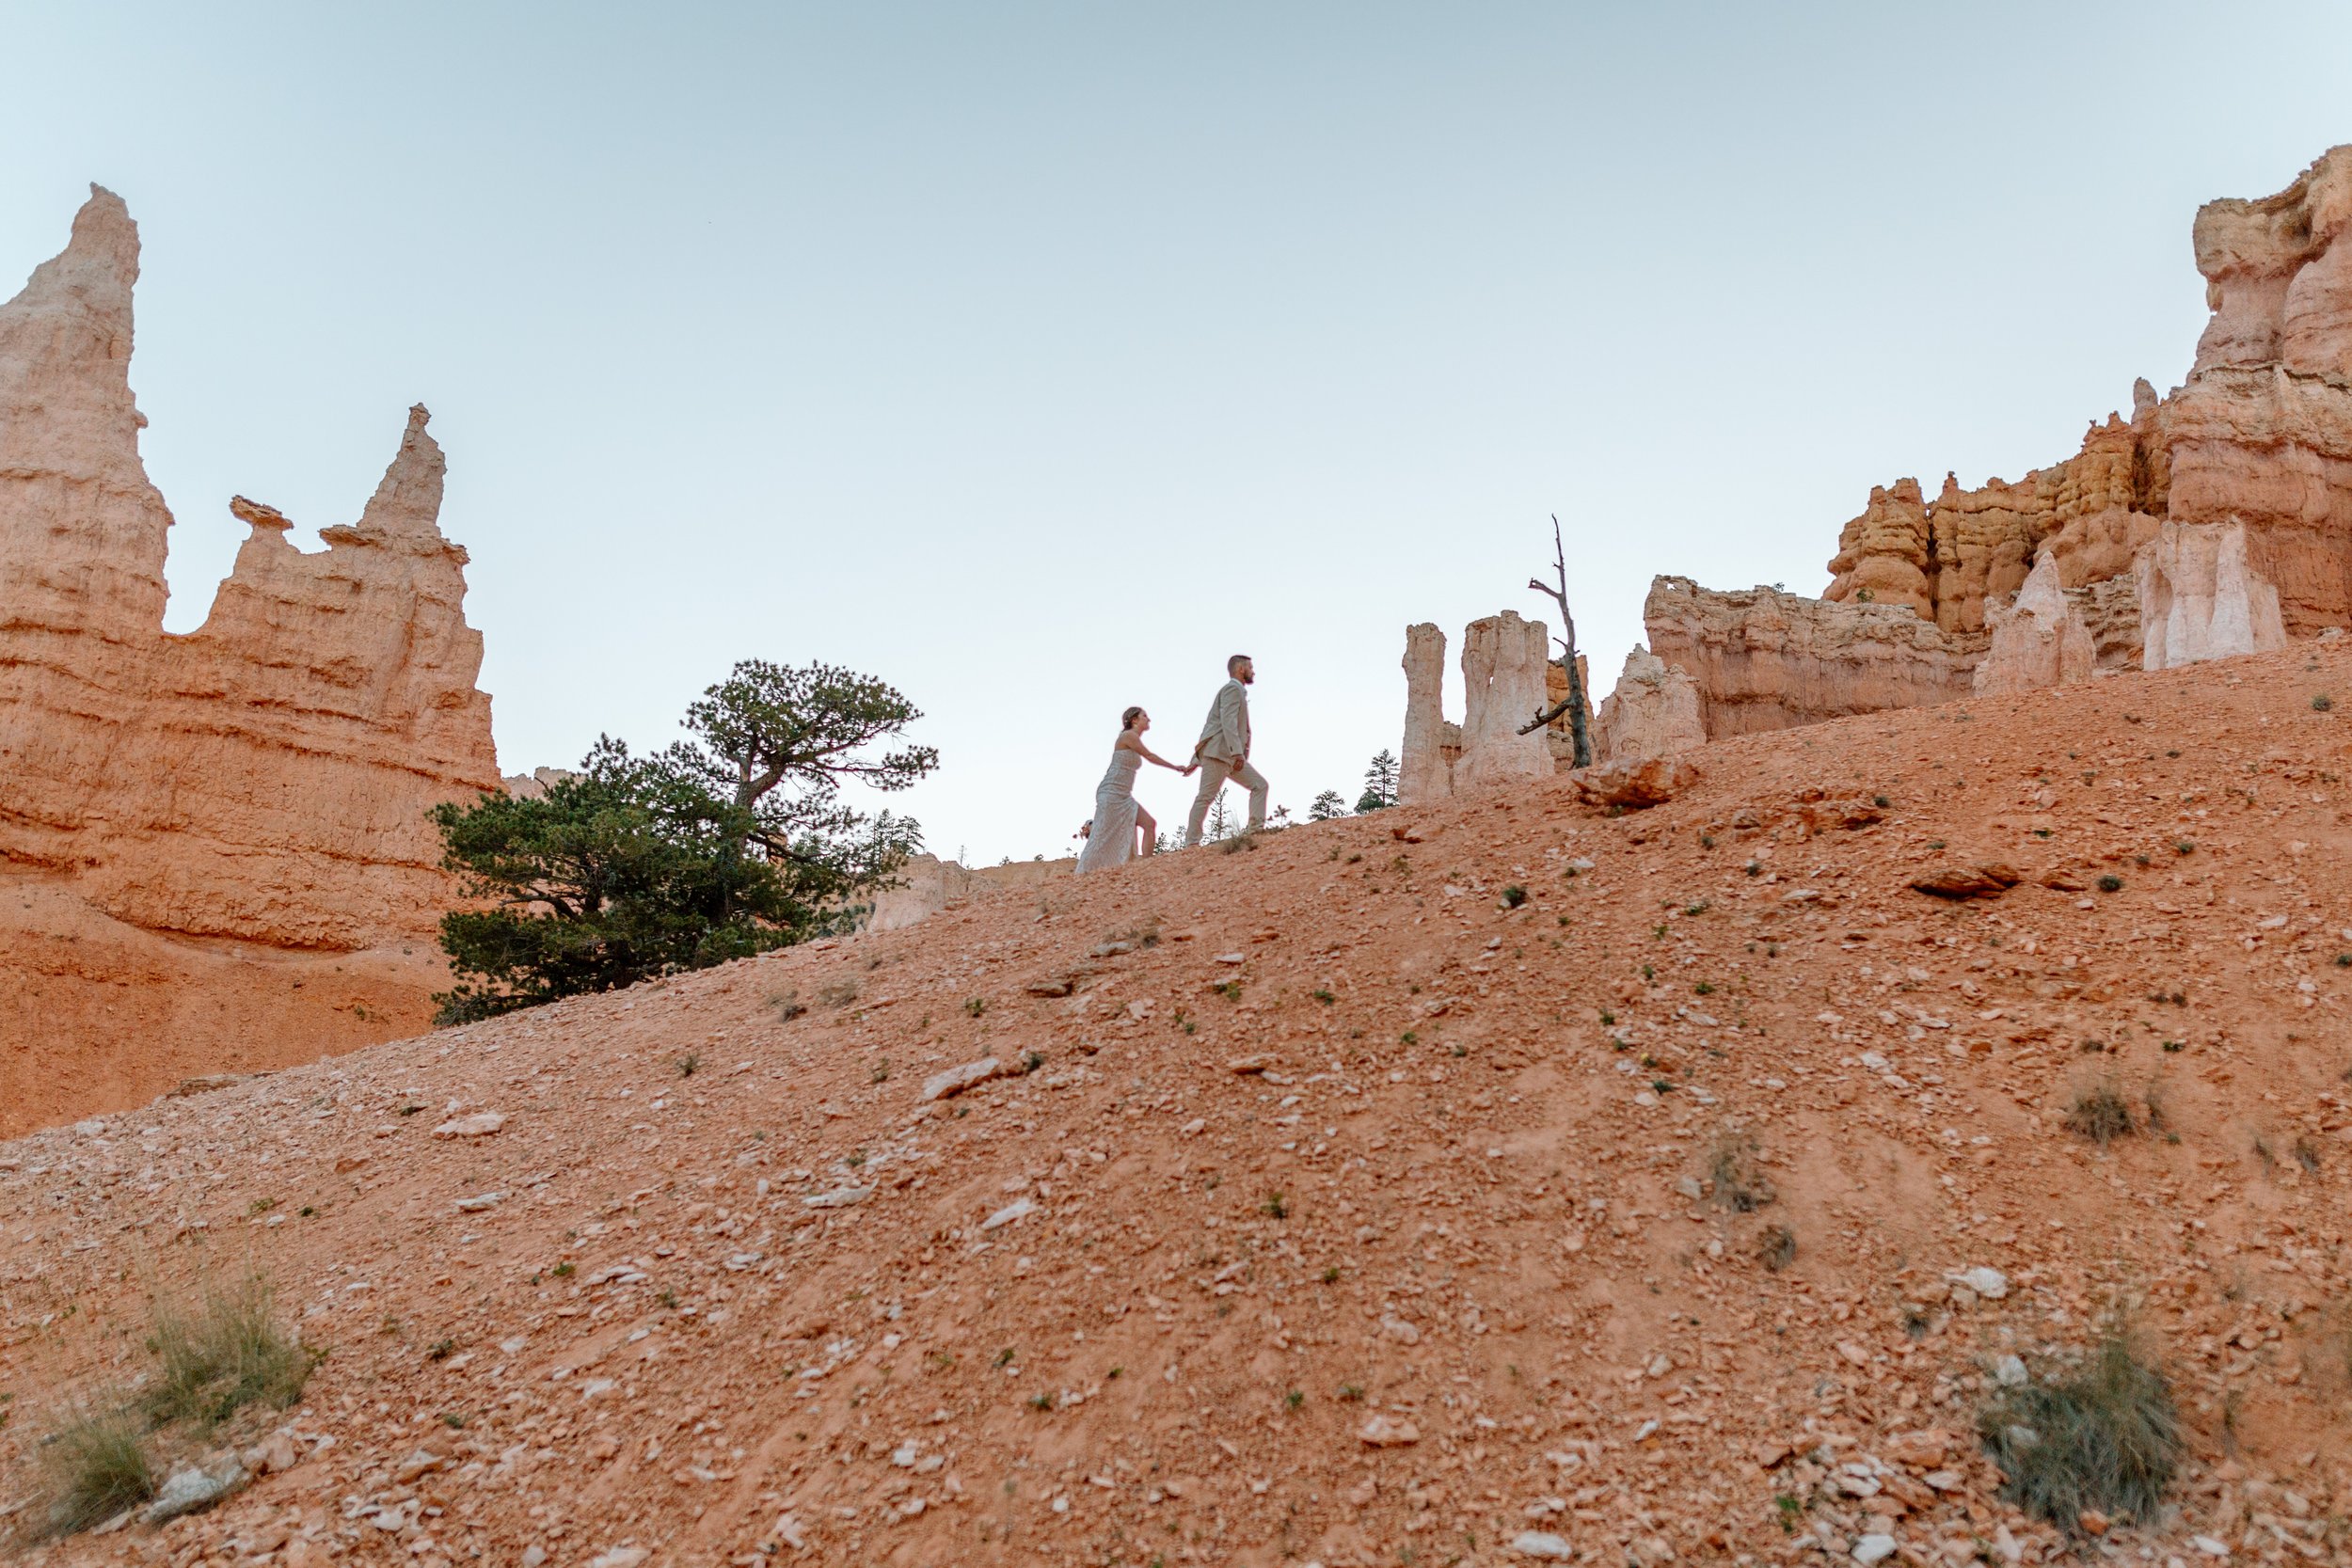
(1379, 782)
(725, 844)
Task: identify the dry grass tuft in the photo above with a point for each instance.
(97, 1465)
(221, 1351)
(2102, 1435)
(2102, 1114)
(1740, 1182)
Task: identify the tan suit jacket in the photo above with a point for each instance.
(1226, 736)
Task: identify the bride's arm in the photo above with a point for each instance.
(1149, 755)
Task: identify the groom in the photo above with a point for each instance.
(1223, 750)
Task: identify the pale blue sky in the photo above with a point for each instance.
(1034, 357)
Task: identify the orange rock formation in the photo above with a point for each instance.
(266, 778)
(1946, 560)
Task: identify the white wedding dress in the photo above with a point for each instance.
(1112, 839)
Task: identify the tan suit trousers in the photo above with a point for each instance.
(1214, 773)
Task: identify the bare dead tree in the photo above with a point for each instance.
(1574, 706)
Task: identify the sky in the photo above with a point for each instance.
(1035, 357)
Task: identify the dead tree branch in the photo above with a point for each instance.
(1578, 727)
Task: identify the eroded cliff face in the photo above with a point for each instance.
(1950, 559)
(2212, 522)
(1765, 659)
(266, 777)
(2262, 433)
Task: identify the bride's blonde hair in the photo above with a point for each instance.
(1127, 719)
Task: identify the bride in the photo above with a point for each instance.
(1118, 816)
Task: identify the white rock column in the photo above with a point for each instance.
(2039, 641)
(1424, 774)
(1503, 678)
(2199, 598)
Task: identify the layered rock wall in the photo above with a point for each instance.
(1765, 659)
(1951, 559)
(266, 777)
(2262, 433)
(2213, 521)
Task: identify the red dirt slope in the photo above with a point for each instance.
(1347, 1215)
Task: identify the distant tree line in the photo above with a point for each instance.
(1379, 790)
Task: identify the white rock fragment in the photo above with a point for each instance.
(479, 1125)
(479, 1202)
(1020, 1208)
(273, 1454)
(840, 1197)
(944, 1085)
(1874, 1548)
(189, 1488)
(1536, 1542)
(1992, 1283)
(422, 1462)
(620, 1556)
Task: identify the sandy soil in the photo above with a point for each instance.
(1333, 1209)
